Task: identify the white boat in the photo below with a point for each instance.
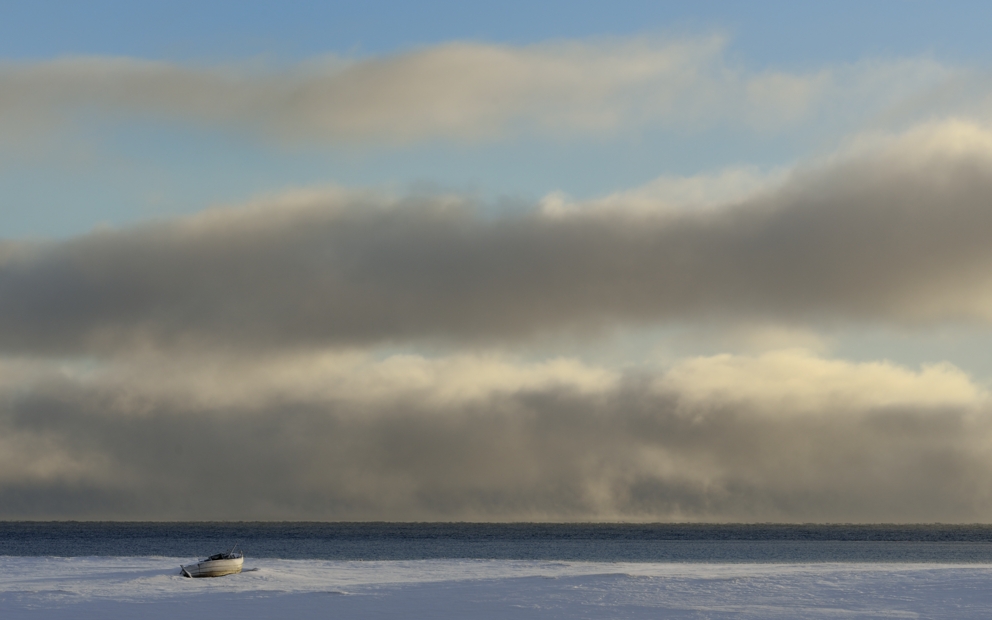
(217, 565)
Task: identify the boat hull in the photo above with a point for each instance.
(213, 568)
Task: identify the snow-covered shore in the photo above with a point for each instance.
(107, 588)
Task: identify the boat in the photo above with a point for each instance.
(217, 565)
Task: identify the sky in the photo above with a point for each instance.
(703, 261)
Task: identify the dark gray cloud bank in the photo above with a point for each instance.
(872, 237)
(867, 239)
(629, 453)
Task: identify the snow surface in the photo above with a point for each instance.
(150, 587)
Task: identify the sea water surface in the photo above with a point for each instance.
(697, 543)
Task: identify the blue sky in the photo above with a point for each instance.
(779, 33)
(179, 169)
(557, 261)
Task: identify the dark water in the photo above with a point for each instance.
(521, 541)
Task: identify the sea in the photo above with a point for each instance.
(582, 542)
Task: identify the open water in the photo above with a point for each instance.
(517, 541)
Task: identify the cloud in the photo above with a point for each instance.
(891, 231)
(677, 446)
(792, 381)
(267, 361)
(143, 381)
(672, 193)
(460, 91)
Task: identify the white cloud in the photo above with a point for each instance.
(461, 91)
(669, 194)
(137, 384)
(787, 381)
(918, 148)
(795, 381)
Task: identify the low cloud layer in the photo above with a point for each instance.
(891, 231)
(459, 91)
(242, 363)
(553, 441)
(338, 353)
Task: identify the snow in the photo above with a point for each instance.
(150, 587)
